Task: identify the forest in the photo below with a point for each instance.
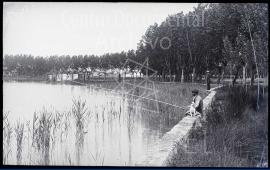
(226, 39)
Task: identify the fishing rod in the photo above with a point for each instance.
(180, 107)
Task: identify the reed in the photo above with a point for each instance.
(19, 138)
(7, 132)
(79, 112)
(28, 137)
(98, 158)
(43, 136)
(65, 126)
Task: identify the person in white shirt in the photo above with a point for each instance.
(196, 107)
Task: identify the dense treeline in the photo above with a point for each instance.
(34, 66)
(223, 38)
(218, 37)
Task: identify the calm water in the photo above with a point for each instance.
(116, 133)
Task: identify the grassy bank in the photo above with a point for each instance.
(233, 135)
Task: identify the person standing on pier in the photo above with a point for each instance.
(119, 78)
(208, 81)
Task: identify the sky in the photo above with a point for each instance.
(44, 29)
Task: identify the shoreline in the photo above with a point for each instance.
(24, 78)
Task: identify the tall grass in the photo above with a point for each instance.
(19, 138)
(7, 132)
(158, 113)
(234, 134)
(79, 112)
(43, 136)
(98, 158)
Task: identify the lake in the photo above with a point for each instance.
(116, 130)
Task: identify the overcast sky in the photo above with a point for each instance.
(80, 28)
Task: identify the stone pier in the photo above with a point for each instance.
(166, 147)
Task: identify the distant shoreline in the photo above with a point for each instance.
(94, 80)
(45, 79)
(24, 78)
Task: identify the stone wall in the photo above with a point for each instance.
(166, 147)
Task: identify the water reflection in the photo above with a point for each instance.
(108, 129)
